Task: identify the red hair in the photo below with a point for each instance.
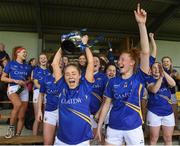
(134, 54)
(16, 50)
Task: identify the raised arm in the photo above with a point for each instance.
(154, 46)
(154, 87)
(57, 71)
(141, 16)
(90, 66)
(169, 79)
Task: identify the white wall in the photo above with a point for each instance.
(27, 40)
(171, 49)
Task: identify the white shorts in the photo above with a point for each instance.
(155, 120)
(35, 95)
(51, 117)
(93, 122)
(131, 137)
(59, 142)
(24, 95)
(173, 99)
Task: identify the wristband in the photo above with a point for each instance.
(83, 47)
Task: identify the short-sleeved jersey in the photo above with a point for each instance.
(97, 91)
(51, 89)
(74, 113)
(151, 60)
(111, 56)
(83, 69)
(39, 73)
(17, 71)
(160, 103)
(126, 97)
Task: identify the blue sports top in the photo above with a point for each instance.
(74, 113)
(151, 60)
(39, 73)
(160, 102)
(126, 97)
(97, 91)
(51, 89)
(17, 71)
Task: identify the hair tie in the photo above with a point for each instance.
(19, 50)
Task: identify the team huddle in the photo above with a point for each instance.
(77, 103)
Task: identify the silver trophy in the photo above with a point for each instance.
(71, 42)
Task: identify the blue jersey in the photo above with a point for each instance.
(32, 67)
(51, 89)
(111, 57)
(151, 60)
(160, 102)
(17, 71)
(83, 69)
(74, 113)
(97, 91)
(126, 97)
(39, 73)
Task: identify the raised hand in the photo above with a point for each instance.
(140, 15)
(151, 35)
(85, 39)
